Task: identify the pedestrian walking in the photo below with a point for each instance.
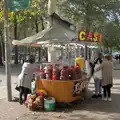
(25, 78)
(107, 77)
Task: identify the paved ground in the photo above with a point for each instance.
(88, 109)
(14, 72)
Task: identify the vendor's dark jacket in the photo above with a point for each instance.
(93, 64)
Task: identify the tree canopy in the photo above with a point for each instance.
(91, 15)
(25, 22)
(95, 15)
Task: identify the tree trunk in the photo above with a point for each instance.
(37, 30)
(42, 23)
(39, 54)
(36, 24)
(1, 49)
(40, 50)
(87, 27)
(15, 37)
(87, 17)
(1, 62)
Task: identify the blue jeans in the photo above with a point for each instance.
(98, 88)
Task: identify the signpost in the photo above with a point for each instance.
(14, 5)
(17, 5)
(7, 51)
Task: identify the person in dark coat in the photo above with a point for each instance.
(116, 57)
(92, 64)
(119, 58)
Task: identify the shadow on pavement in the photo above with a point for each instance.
(89, 109)
(85, 109)
(15, 69)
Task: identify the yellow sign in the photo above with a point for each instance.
(90, 37)
(82, 35)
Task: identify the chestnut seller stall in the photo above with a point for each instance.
(59, 32)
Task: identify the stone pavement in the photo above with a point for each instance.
(11, 110)
(89, 109)
(116, 66)
(14, 74)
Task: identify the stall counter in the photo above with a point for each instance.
(63, 91)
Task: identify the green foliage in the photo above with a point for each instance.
(37, 8)
(26, 18)
(95, 15)
(92, 15)
(111, 35)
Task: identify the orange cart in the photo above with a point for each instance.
(63, 91)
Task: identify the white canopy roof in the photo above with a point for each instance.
(59, 32)
(54, 34)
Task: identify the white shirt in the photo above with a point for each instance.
(26, 75)
(98, 74)
(88, 68)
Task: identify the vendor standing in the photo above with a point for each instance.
(25, 78)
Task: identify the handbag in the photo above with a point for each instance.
(17, 88)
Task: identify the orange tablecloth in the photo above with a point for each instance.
(61, 90)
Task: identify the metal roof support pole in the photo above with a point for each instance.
(51, 10)
(69, 57)
(85, 52)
